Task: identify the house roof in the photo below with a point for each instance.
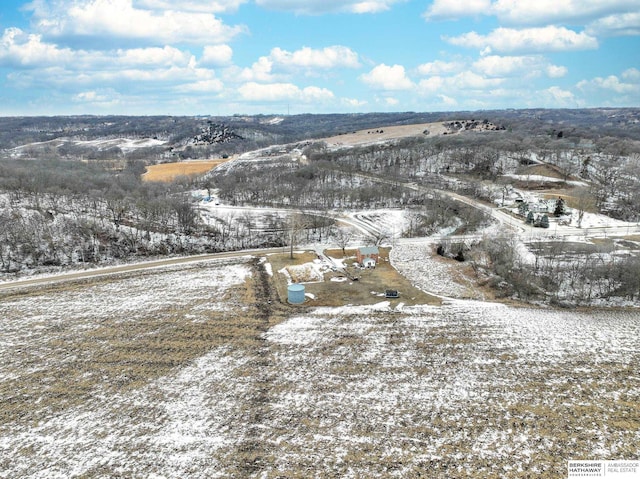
(369, 250)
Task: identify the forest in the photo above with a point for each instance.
(67, 199)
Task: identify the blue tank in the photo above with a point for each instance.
(295, 293)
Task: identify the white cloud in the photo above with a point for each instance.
(203, 86)
(453, 10)
(172, 75)
(20, 49)
(317, 7)
(544, 39)
(439, 67)
(58, 78)
(28, 50)
(556, 71)
(390, 78)
(557, 97)
(431, 85)
(612, 83)
(626, 24)
(216, 55)
(575, 12)
(632, 75)
(539, 12)
(464, 90)
(447, 100)
(498, 66)
(463, 84)
(489, 82)
(89, 96)
(100, 99)
(371, 6)
(210, 6)
(253, 91)
(167, 56)
(279, 62)
(353, 102)
(259, 71)
(104, 19)
(509, 66)
(80, 49)
(473, 81)
(141, 69)
(314, 93)
(326, 58)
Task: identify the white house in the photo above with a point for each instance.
(368, 256)
(368, 263)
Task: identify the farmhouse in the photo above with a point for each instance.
(368, 263)
(541, 206)
(368, 256)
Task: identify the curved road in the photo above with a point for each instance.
(523, 229)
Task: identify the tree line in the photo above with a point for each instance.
(56, 212)
(559, 272)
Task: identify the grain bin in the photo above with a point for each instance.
(295, 293)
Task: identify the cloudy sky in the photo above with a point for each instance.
(219, 57)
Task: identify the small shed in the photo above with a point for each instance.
(391, 293)
(295, 293)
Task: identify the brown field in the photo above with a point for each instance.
(541, 170)
(166, 172)
(360, 292)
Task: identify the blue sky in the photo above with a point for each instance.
(221, 57)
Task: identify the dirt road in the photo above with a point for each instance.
(127, 268)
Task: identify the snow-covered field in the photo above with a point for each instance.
(125, 144)
(467, 390)
(431, 273)
(544, 179)
(164, 374)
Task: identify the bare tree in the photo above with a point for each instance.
(343, 237)
(186, 214)
(297, 224)
(379, 237)
(584, 201)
